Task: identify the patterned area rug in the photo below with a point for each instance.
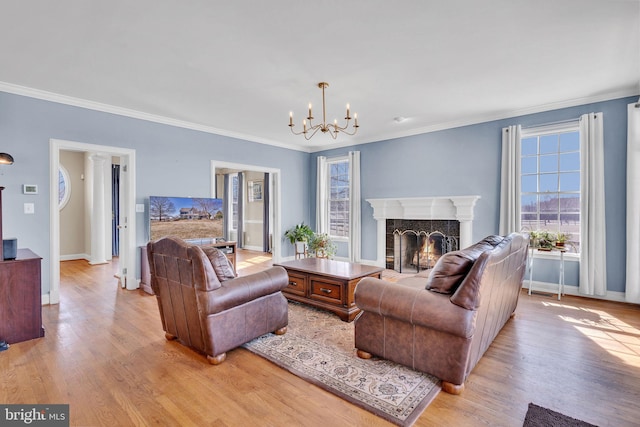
(319, 348)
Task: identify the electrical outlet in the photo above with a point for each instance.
(29, 208)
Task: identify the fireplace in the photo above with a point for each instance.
(446, 213)
(416, 245)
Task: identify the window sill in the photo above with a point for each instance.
(555, 255)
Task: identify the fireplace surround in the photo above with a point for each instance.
(458, 208)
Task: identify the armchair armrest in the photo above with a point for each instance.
(414, 306)
(235, 292)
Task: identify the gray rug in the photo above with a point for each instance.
(537, 416)
(319, 348)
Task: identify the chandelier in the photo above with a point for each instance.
(309, 129)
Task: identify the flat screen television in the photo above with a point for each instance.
(194, 219)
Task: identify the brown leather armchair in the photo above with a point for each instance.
(209, 315)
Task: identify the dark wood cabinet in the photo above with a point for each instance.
(21, 298)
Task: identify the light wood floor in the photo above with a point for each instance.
(105, 354)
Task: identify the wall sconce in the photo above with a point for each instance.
(6, 159)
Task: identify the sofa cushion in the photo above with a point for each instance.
(220, 263)
(449, 272)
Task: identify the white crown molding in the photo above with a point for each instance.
(106, 108)
(97, 106)
(507, 114)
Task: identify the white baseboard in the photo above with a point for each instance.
(552, 288)
(73, 257)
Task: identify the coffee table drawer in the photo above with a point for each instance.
(326, 291)
(297, 284)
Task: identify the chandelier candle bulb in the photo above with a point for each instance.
(290, 118)
(310, 116)
(347, 113)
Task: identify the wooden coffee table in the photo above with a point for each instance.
(327, 283)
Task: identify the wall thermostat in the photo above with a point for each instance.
(30, 189)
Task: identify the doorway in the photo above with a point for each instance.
(127, 225)
(255, 181)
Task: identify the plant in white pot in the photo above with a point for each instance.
(299, 235)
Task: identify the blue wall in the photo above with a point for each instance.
(170, 161)
(176, 161)
(466, 161)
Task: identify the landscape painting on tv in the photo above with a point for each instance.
(189, 218)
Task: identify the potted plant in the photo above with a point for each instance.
(546, 240)
(561, 238)
(322, 245)
(299, 235)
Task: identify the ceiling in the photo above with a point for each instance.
(238, 68)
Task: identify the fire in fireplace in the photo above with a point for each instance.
(416, 245)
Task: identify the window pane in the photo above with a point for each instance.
(548, 144)
(529, 146)
(549, 163)
(570, 203)
(570, 141)
(529, 203)
(339, 199)
(570, 181)
(549, 182)
(529, 165)
(549, 203)
(529, 183)
(570, 161)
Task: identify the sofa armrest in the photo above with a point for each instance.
(235, 292)
(414, 306)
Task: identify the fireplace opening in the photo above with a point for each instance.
(416, 245)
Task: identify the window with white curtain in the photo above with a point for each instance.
(338, 210)
(550, 181)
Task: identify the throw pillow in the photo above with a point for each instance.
(220, 263)
(449, 272)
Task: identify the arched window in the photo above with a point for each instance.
(64, 187)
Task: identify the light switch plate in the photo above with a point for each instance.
(139, 207)
(29, 208)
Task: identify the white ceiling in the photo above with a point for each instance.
(238, 67)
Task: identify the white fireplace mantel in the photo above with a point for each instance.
(448, 207)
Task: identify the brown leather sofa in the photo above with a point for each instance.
(441, 321)
(205, 306)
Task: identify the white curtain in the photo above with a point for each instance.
(510, 180)
(354, 206)
(593, 254)
(322, 197)
(632, 292)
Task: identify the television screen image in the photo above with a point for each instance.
(195, 219)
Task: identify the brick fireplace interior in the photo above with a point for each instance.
(415, 245)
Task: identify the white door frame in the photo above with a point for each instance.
(128, 261)
(275, 197)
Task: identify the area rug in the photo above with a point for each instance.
(537, 416)
(319, 348)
